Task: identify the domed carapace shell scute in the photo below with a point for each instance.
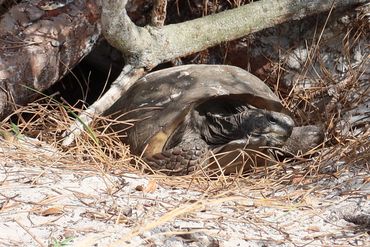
(159, 102)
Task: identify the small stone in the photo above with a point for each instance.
(345, 20)
(297, 58)
(139, 188)
(342, 65)
(357, 54)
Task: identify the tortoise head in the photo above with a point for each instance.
(231, 121)
(256, 127)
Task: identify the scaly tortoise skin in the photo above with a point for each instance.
(182, 113)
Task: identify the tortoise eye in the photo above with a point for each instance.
(271, 119)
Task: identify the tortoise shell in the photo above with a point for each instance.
(159, 102)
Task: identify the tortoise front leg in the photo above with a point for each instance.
(303, 139)
(180, 160)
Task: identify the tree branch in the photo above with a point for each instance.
(125, 80)
(149, 46)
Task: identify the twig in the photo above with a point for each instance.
(33, 236)
(128, 76)
(159, 13)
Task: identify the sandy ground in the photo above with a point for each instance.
(43, 205)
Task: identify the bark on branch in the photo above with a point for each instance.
(159, 11)
(39, 44)
(148, 46)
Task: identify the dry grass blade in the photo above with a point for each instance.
(46, 120)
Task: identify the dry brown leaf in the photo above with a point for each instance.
(151, 187)
(313, 229)
(52, 211)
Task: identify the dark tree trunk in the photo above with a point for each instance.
(40, 43)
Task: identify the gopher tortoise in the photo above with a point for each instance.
(186, 115)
